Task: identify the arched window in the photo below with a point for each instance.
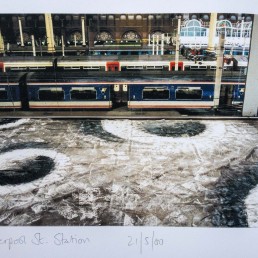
(122, 17)
(248, 18)
(193, 28)
(41, 18)
(68, 17)
(75, 36)
(194, 16)
(131, 36)
(14, 18)
(221, 17)
(226, 27)
(206, 17)
(233, 18)
(104, 36)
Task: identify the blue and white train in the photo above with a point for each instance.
(79, 91)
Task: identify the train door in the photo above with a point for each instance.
(24, 93)
(226, 95)
(119, 95)
(112, 66)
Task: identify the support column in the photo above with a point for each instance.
(75, 40)
(21, 34)
(157, 44)
(212, 32)
(177, 43)
(33, 45)
(49, 33)
(1, 43)
(250, 107)
(219, 69)
(62, 41)
(153, 44)
(162, 44)
(83, 32)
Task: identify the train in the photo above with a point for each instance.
(79, 90)
(109, 64)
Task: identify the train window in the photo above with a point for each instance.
(155, 93)
(134, 67)
(91, 67)
(156, 67)
(83, 94)
(49, 94)
(37, 68)
(3, 94)
(188, 93)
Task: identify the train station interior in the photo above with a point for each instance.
(183, 44)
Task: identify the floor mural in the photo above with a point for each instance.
(129, 172)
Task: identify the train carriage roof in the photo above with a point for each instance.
(106, 77)
(11, 77)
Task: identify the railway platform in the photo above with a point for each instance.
(125, 113)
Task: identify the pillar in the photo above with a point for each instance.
(83, 31)
(177, 43)
(212, 32)
(162, 44)
(20, 29)
(157, 44)
(49, 33)
(250, 107)
(33, 45)
(62, 41)
(153, 44)
(1, 43)
(219, 69)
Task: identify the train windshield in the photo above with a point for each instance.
(188, 93)
(155, 93)
(83, 94)
(49, 94)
